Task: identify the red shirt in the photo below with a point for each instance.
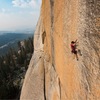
(73, 47)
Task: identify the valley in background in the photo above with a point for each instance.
(9, 40)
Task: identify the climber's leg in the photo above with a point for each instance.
(76, 56)
(79, 52)
(75, 53)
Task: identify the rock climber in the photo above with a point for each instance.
(74, 49)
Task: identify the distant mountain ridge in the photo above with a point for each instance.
(20, 31)
(8, 40)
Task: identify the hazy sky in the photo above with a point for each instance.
(18, 14)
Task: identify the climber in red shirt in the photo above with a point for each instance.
(74, 49)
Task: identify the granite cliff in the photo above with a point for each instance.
(53, 73)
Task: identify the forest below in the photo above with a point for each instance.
(13, 66)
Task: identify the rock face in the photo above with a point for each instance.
(53, 73)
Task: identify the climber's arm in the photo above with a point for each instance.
(75, 40)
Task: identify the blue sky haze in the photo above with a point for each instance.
(19, 14)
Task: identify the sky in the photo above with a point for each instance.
(19, 14)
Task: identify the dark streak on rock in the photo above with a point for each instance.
(52, 30)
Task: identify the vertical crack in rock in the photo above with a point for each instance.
(43, 37)
(44, 84)
(59, 89)
(52, 36)
(52, 12)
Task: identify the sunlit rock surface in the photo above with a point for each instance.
(54, 73)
